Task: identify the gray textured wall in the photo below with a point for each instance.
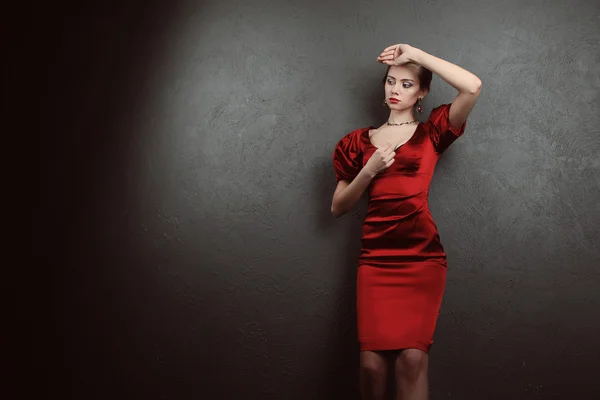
(187, 184)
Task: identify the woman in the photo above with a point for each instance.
(402, 265)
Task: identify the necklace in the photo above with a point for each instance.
(402, 123)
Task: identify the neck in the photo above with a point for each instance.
(398, 116)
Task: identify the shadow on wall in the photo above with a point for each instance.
(98, 60)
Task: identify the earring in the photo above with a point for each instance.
(419, 105)
(384, 103)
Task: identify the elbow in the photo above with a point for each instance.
(336, 212)
(476, 87)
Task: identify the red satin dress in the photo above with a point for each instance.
(402, 265)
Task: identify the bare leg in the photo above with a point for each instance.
(411, 375)
(373, 375)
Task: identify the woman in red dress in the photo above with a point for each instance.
(402, 265)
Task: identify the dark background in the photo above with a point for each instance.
(182, 227)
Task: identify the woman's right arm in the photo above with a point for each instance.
(347, 193)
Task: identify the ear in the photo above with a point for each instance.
(424, 93)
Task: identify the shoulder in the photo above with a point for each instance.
(439, 119)
(357, 133)
(441, 132)
(440, 111)
(353, 138)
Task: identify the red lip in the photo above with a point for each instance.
(394, 100)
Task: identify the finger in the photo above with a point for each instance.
(389, 163)
(385, 53)
(385, 147)
(390, 47)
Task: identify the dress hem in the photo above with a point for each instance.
(365, 346)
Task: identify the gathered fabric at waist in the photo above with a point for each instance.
(406, 232)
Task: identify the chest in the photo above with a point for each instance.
(378, 138)
(410, 155)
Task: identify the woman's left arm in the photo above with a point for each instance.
(467, 84)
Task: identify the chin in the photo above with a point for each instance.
(397, 107)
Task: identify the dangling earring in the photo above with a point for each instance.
(384, 103)
(419, 105)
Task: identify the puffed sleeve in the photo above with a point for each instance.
(347, 157)
(442, 134)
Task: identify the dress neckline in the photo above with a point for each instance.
(368, 132)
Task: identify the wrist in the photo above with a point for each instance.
(368, 172)
(416, 56)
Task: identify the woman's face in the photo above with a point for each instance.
(402, 86)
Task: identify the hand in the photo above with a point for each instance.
(381, 159)
(397, 54)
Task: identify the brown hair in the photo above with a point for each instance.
(425, 76)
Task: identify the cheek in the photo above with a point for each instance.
(413, 95)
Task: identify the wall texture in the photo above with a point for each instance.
(184, 220)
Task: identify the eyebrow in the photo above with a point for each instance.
(405, 79)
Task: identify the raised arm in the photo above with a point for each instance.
(467, 84)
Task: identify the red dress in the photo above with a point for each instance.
(402, 265)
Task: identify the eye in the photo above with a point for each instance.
(406, 85)
(390, 81)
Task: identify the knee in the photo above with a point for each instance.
(373, 370)
(411, 363)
